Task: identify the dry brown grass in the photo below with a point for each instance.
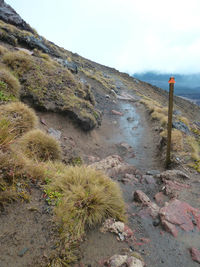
(156, 111)
(39, 146)
(8, 83)
(177, 140)
(21, 117)
(195, 148)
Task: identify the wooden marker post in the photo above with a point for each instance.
(170, 113)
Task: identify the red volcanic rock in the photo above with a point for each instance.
(160, 198)
(195, 254)
(152, 208)
(172, 187)
(178, 213)
(115, 112)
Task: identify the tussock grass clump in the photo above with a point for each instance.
(3, 50)
(89, 197)
(7, 135)
(39, 146)
(8, 83)
(19, 61)
(21, 117)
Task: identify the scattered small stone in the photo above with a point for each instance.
(107, 96)
(22, 252)
(43, 122)
(130, 119)
(156, 222)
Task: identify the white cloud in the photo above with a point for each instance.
(131, 35)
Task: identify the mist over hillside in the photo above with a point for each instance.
(186, 85)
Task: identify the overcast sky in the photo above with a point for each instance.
(130, 35)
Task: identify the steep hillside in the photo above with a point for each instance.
(82, 161)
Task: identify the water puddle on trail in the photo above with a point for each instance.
(133, 130)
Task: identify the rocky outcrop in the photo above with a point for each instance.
(9, 15)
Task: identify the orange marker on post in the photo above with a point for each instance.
(170, 113)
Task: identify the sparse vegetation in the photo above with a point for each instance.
(156, 111)
(39, 146)
(107, 82)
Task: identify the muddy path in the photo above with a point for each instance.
(132, 137)
(134, 129)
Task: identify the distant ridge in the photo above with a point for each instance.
(187, 86)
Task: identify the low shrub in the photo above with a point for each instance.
(21, 117)
(39, 146)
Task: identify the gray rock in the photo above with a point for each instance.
(22, 252)
(71, 66)
(153, 172)
(54, 133)
(129, 119)
(9, 15)
(181, 126)
(177, 112)
(33, 42)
